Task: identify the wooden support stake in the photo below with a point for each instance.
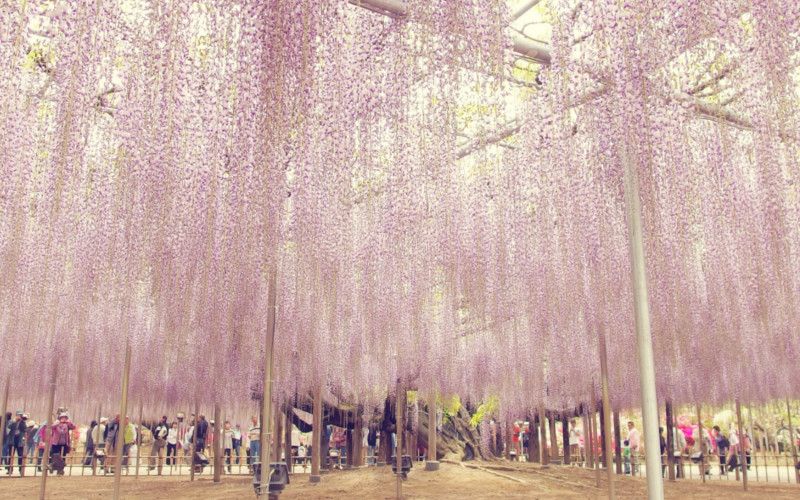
(140, 442)
(670, 440)
(543, 438)
(742, 462)
(534, 454)
(47, 422)
(701, 437)
(617, 443)
(587, 439)
(565, 437)
(400, 425)
(794, 442)
(266, 399)
(3, 422)
(123, 410)
(287, 440)
(606, 415)
(316, 447)
(553, 438)
(276, 455)
(193, 446)
(593, 425)
(432, 464)
(217, 444)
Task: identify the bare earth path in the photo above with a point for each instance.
(452, 481)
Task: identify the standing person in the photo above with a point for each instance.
(42, 437)
(633, 442)
(160, 433)
(17, 436)
(515, 441)
(5, 459)
(99, 439)
(30, 440)
(187, 443)
(128, 439)
(733, 450)
(662, 443)
(111, 443)
(237, 442)
(722, 444)
(681, 447)
(60, 442)
(626, 456)
(200, 436)
(183, 428)
(254, 435)
(172, 444)
(211, 435)
(90, 433)
(227, 443)
(747, 446)
(372, 443)
(302, 453)
(575, 437)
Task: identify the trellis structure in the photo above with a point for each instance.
(195, 173)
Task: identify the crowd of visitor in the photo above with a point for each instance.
(173, 441)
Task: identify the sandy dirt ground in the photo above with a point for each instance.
(499, 480)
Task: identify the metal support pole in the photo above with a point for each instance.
(217, 448)
(266, 422)
(644, 341)
(47, 422)
(123, 410)
(740, 428)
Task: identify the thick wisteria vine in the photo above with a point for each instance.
(161, 158)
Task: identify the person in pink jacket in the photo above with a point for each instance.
(60, 442)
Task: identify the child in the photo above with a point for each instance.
(626, 455)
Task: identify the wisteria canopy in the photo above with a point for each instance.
(437, 206)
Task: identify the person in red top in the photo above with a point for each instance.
(60, 442)
(515, 441)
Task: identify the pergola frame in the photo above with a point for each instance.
(539, 52)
